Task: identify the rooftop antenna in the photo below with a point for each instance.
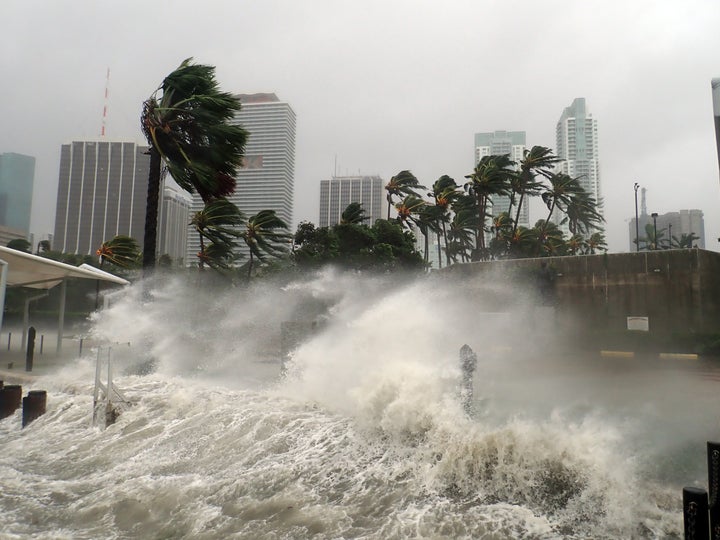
(105, 105)
(643, 206)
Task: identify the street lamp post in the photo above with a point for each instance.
(669, 235)
(637, 224)
(655, 242)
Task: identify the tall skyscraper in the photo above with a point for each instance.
(266, 180)
(338, 192)
(102, 192)
(577, 147)
(715, 84)
(17, 174)
(497, 143)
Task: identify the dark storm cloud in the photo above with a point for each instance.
(384, 86)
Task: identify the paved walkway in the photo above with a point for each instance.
(13, 362)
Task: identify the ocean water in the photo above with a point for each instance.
(364, 434)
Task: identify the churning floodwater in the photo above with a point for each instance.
(364, 435)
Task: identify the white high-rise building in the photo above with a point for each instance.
(577, 147)
(173, 220)
(265, 182)
(338, 192)
(498, 143)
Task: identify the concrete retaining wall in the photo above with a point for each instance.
(678, 290)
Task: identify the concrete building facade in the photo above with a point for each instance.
(17, 175)
(102, 192)
(266, 181)
(338, 192)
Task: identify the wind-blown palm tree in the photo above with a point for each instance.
(186, 122)
(550, 239)
(686, 240)
(121, 251)
(524, 242)
(576, 244)
(539, 160)
(596, 242)
(265, 234)
(461, 234)
(402, 184)
(428, 219)
(407, 208)
(220, 223)
(490, 177)
(558, 194)
(582, 215)
(501, 229)
(444, 192)
(354, 213)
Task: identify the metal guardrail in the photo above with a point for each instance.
(107, 398)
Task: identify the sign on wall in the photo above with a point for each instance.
(638, 323)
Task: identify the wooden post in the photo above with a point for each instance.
(10, 398)
(713, 457)
(30, 349)
(695, 513)
(34, 405)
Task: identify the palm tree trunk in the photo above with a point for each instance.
(151, 212)
(517, 214)
(439, 250)
(250, 265)
(426, 255)
(552, 208)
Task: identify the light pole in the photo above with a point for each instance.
(669, 235)
(637, 224)
(655, 243)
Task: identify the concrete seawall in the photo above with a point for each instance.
(677, 290)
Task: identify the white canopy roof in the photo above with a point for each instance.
(27, 270)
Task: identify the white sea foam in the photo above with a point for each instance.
(364, 437)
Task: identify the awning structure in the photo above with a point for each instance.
(27, 270)
(20, 269)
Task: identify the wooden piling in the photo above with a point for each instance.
(30, 350)
(10, 399)
(34, 405)
(695, 513)
(713, 463)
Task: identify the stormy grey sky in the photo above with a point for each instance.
(387, 85)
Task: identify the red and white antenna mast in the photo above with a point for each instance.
(105, 104)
